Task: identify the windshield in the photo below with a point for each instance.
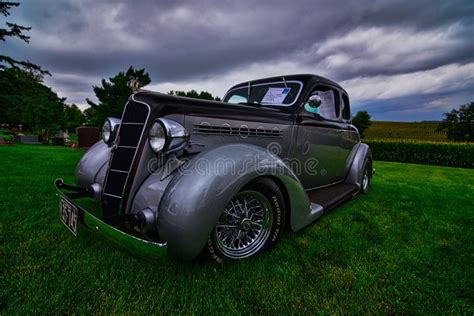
(272, 93)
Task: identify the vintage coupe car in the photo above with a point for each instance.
(185, 176)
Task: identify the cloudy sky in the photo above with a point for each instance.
(399, 60)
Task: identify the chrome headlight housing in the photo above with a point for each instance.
(109, 129)
(167, 136)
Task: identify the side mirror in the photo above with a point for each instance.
(315, 101)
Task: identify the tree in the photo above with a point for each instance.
(45, 114)
(73, 117)
(89, 115)
(362, 122)
(15, 30)
(459, 123)
(113, 95)
(25, 100)
(194, 94)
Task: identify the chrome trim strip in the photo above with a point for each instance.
(324, 186)
(130, 147)
(117, 170)
(115, 196)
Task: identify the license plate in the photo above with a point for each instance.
(68, 215)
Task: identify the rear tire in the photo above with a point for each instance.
(251, 223)
(366, 177)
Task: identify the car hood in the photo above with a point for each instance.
(163, 104)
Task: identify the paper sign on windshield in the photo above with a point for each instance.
(275, 95)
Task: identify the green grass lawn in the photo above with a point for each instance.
(406, 247)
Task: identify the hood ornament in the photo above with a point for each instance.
(134, 84)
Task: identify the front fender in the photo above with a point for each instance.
(92, 166)
(195, 198)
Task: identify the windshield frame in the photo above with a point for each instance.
(270, 83)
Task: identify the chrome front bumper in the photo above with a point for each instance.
(95, 225)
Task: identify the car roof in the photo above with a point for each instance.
(304, 78)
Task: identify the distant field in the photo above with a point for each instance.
(424, 131)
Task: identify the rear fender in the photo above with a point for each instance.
(356, 170)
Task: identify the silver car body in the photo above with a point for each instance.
(229, 145)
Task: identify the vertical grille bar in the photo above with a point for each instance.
(122, 164)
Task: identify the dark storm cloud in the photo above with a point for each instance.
(185, 39)
(83, 41)
(423, 107)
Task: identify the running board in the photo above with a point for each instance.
(327, 198)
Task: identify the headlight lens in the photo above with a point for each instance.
(157, 137)
(106, 131)
(109, 129)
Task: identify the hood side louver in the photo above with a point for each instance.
(241, 131)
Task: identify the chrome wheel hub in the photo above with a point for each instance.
(245, 225)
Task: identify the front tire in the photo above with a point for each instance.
(251, 223)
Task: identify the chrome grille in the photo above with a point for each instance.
(122, 165)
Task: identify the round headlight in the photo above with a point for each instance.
(106, 131)
(157, 137)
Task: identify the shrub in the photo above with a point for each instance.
(362, 122)
(428, 153)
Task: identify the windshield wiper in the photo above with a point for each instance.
(286, 86)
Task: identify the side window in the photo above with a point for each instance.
(323, 101)
(345, 107)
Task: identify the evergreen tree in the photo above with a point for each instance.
(113, 95)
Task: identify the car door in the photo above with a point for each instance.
(317, 153)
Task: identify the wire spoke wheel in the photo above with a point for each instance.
(245, 225)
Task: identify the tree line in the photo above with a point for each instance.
(458, 123)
